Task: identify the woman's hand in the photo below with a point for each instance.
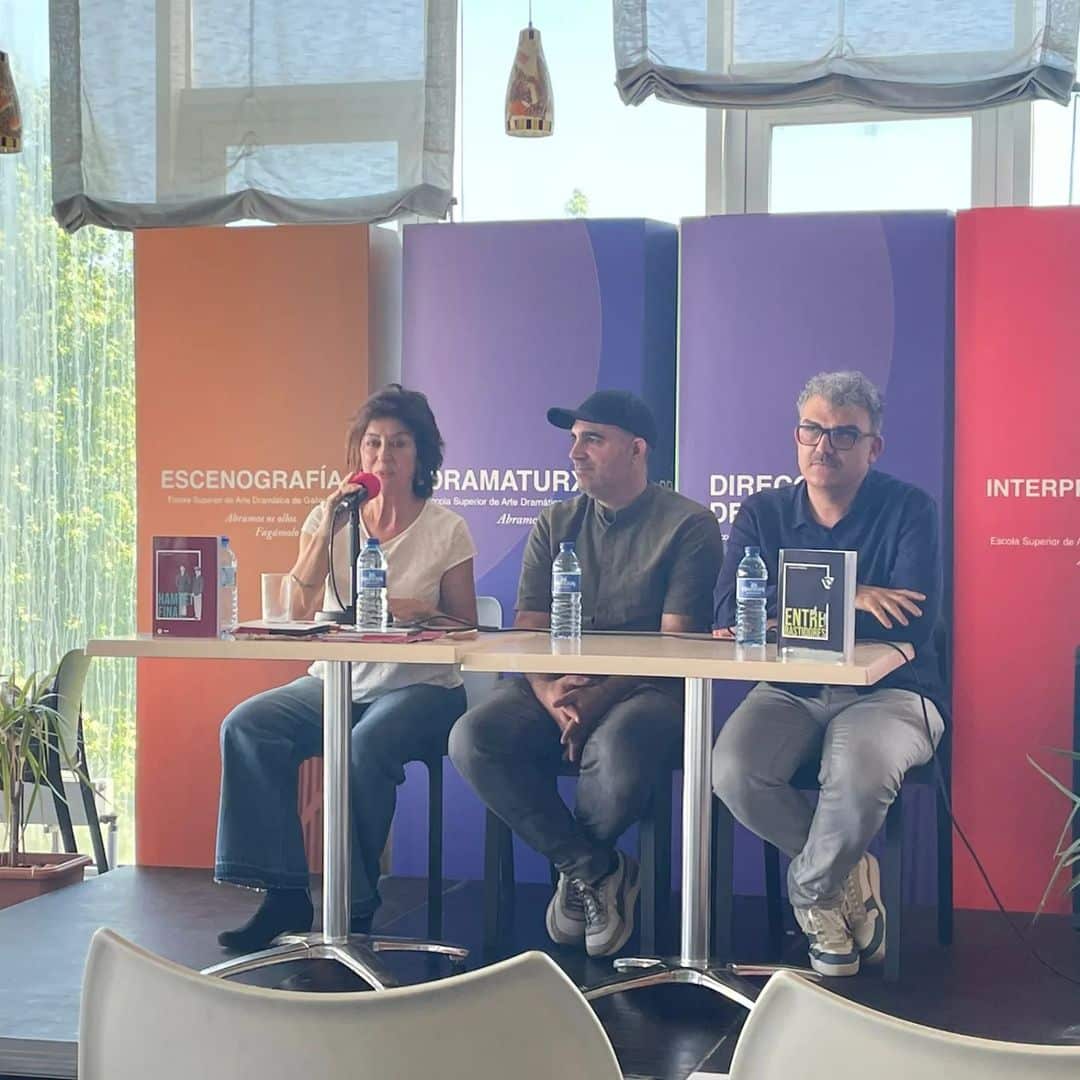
(330, 503)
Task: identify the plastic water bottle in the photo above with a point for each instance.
(566, 594)
(751, 579)
(371, 603)
(228, 612)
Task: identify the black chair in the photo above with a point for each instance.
(654, 854)
(892, 856)
(434, 768)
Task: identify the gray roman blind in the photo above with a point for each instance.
(200, 112)
(914, 55)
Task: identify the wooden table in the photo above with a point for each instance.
(355, 951)
(696, 660)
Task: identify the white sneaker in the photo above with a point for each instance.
(832, 948)
(609, 907)
(864, 910)
(566, 914)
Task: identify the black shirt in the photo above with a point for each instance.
(894, 528)
(659, 555)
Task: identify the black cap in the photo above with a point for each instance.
(616, 407)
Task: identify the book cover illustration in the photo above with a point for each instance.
(816, 602)
(185, 586)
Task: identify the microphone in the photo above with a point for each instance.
(369, 488)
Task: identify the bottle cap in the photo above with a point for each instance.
(373, 541)
(224, 541)
(751, 551)
(566, 545)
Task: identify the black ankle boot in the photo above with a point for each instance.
(282, 911)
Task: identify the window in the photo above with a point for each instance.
(844, 158)
(1055, 171)
(604, 159)
(876, 165)
(67, 430)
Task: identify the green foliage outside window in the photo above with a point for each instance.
(67, 449)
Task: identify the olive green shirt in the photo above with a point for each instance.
(659, 555)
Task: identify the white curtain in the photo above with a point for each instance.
(199, 112)
(913, 55)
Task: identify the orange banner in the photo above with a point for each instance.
(251, 349)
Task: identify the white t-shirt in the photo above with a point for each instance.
(416, 559)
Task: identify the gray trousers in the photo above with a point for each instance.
(865, 743)
(508, 749)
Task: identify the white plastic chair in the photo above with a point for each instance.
(143, 1016)
(478, 684)
(798, 1029)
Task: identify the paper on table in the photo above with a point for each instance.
(295, 628)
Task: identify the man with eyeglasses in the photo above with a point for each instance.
(865, 738)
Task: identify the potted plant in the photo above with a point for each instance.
(1067, 851)
(27, 737)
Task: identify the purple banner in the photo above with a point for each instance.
(767, 301)
(501, 321)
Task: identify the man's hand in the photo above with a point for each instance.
(575, 731)
(577, 713)
(583, 708)
(577, 703)
(888, 604)
(550, 689)
(589, 703)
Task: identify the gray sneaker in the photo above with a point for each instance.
(864, 910)
(566, 914)
(832, 948)
(609, 907)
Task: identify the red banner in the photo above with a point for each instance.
(1017, 549)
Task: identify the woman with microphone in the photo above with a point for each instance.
(401, 712)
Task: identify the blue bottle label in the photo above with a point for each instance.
(228, 576)
(372, 579)
(561, 584)
(750, 589)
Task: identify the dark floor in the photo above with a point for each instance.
(985, 984)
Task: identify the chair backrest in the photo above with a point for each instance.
(143, 1016)
(799, 1029)
(478, 684)
(489, 611)
(68, 690)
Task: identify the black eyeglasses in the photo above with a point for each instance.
(840, 438)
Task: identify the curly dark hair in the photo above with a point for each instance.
(410, 407)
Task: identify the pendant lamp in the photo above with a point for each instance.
(530, 104)
(10, 120)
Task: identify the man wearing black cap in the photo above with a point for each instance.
(649, 559)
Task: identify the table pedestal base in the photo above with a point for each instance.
(357, 952)
(728, 980)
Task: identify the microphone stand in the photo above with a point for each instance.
(347, 616)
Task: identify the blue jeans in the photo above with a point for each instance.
(263, 741)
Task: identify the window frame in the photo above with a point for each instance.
(738, 156)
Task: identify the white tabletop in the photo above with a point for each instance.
(524, 652)
(441, 651)
(681, 657)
